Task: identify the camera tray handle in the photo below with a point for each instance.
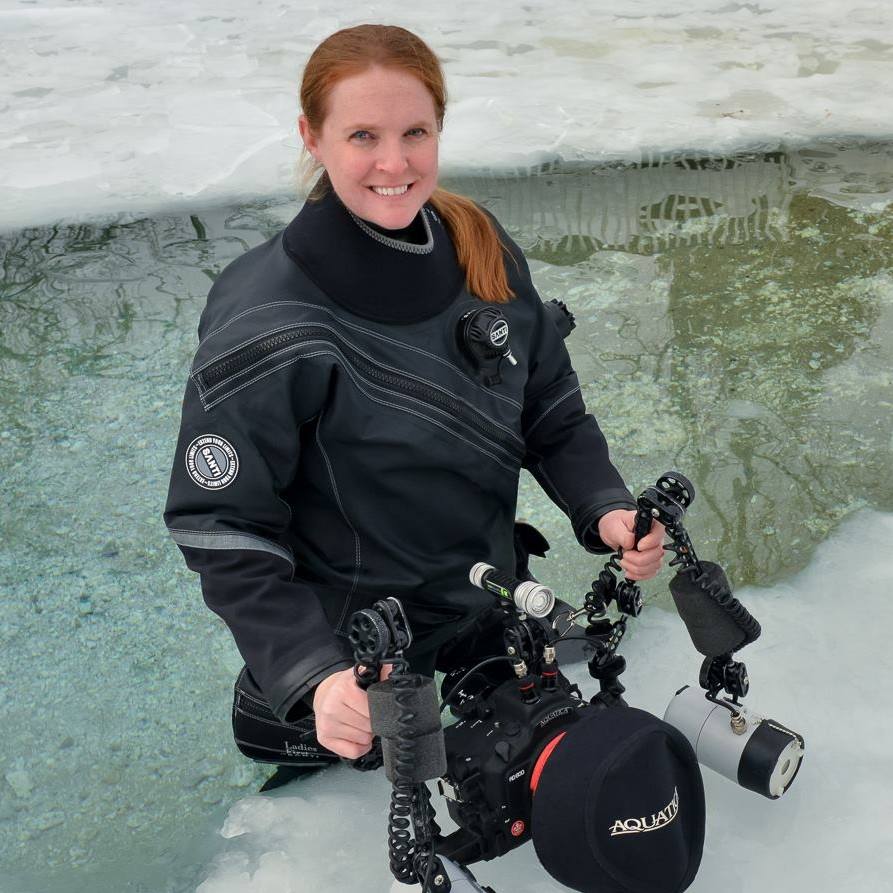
(379, 635)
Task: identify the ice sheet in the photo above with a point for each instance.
(118, 106)
(822, 677)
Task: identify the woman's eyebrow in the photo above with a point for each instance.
(354, 127)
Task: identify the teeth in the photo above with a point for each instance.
(397, 190)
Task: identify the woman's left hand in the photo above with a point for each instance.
(640, 563)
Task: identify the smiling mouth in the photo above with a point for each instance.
(391, 191)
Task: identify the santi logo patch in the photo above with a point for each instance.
(499, 334)
(648, 823)
(212, 462)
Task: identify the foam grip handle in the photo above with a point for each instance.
(406, 714)
(716, 621)
(427, 760)
(419, 696)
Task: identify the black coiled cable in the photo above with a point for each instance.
(614, 562)
(682, 547)
(401, 845)
(410, 857)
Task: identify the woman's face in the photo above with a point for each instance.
(380, 131)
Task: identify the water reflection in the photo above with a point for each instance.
(725, 343)
(755, 337)
(663, 202)
(734, 321)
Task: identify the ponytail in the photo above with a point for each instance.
(478, 246)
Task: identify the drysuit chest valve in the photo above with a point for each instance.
(483, 336)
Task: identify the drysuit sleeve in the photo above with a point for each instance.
(234, 458)
(566, 450)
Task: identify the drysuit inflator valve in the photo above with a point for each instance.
(483, 338)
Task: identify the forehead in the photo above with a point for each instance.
(379, 96)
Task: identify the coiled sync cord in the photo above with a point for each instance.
(410, 801)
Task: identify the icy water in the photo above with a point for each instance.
(734, 322)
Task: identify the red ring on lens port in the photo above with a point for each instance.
(541, 761)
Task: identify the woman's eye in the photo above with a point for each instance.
(364, 136)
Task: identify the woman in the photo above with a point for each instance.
(343, 437)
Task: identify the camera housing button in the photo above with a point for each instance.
(503, 750)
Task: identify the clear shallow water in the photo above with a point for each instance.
(734, 322)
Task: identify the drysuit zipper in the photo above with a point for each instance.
(247, 356)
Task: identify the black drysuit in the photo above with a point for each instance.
(337, 447)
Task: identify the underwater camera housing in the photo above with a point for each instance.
(529, 762)
(611, 795)
(493, 763)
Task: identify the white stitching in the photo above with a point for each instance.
(283, 350)
(353, 346)
(252, 340)
(356, 327)
(356, 538)
(318, 353)
(443, 412)
(408, 397)
(353, 374)
(254, 718)
(334, 351)
(479, 448)
(244, 694)
(554, 404)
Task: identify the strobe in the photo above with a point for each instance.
(759, 754)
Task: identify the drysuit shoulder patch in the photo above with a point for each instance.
(212, 462)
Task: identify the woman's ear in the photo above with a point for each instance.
(310, 141)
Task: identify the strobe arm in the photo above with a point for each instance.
(716, 621)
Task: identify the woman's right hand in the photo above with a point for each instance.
(342, 714)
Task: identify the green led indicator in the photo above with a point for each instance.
(493, 586)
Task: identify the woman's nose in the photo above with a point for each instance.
(391, 158)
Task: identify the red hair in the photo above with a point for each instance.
(352, 51)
